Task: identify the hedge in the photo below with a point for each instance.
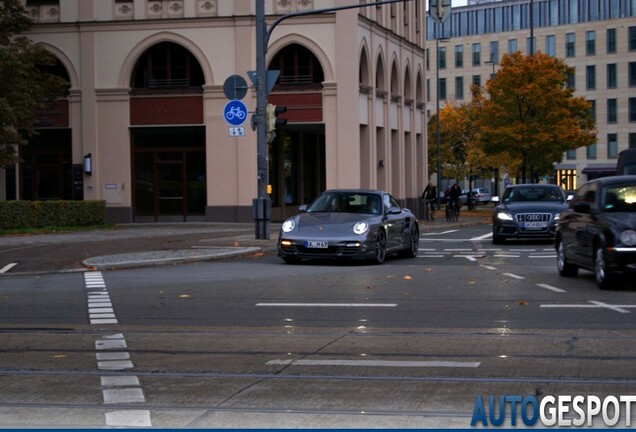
(35, 214)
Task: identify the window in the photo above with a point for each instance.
(590, 77)
(632, 140)
(571, 83)
(477, 80)
(569, 45)
(442, 57)
(632, 39)
(590, 43)
(591, 151)
(631, 73)
(611, 41)
(593, 109)
(611, 111)
(459, 56)
(612, 146)
(167, 65)
(494, 52)
(611, 75)
(632, 109)
(476, 54)
(570, 154)
(459, 87)
(550, 45)
(512, 46)
(442, 88)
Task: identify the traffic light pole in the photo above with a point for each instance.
(261, 206)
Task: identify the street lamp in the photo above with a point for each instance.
(493, 63)
(438, 166)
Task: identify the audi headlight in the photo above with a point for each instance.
(504, 216)
(360, 228)
(628, 237)
(288, 225)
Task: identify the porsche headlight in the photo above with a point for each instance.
(360, 228)
(504, 216)
(288, 225)
(628, 237)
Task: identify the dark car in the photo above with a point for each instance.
(527, 211)
(598, 231)
(363, 224)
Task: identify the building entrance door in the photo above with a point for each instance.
(170, 196)
(169, 176)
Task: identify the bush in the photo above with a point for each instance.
(35, 214)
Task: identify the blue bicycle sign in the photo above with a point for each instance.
(235, 112)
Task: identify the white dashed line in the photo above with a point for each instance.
(8, 267)
(374, 363)
(551, 288)
(514, 276)
(369, 305)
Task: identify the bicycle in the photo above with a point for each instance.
(452, 211)
(430, 210)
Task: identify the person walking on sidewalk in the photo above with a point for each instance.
(430, 197)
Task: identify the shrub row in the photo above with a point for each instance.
(34, 214)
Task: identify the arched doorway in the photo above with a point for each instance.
(297, 153)
(168, 153)
(46, 168)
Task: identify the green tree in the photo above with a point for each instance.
(25, 87)
(530, 115)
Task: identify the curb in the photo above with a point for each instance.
(156, 258)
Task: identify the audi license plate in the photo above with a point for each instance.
(314, 244)
(535, 225)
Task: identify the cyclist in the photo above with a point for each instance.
(429, 196)
(453, 195)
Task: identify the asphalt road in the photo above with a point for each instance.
(253, 342)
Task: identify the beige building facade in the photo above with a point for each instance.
(143, 127)
(597, 38)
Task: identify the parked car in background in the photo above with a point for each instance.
(362, 224)
(598, 231)
(482, 195)
(527, 211)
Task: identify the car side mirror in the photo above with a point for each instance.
(583, 207)
(394, 210)
(302, 208)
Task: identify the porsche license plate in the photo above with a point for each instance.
(535, 225)
(314, 244)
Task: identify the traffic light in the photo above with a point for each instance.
(273, 121)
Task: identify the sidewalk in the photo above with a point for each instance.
(138, 245)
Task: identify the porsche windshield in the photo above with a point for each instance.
(341, 202)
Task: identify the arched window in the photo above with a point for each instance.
(298, 67)
(167, 66)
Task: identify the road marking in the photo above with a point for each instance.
(374, 363)
(482, 237)
(468, 257)
(593, 305)
(489, 267)
(505, 256)
(128, 418)
(8, 267)
(439, 233)
(514, 276)
(372, 305)
(551, 288)
(123, 395)
(431, 256)
(542, 256)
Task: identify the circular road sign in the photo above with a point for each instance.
(235, 112)
(235, 87)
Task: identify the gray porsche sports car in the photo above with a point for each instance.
(362, 224)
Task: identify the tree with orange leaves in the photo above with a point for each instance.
(529, 114)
